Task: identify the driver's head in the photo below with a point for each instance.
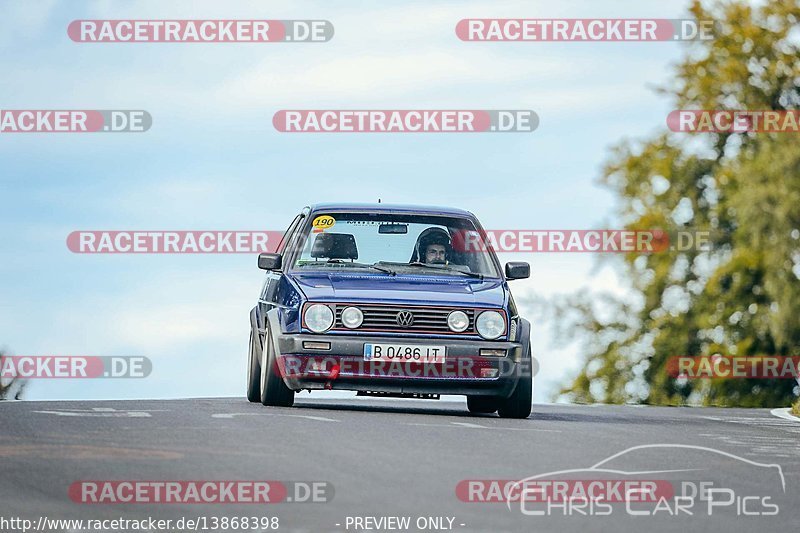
(433, 246)
(436, 254)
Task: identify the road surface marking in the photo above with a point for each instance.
(97, 411)
(470, 425)
(771, 444)
(784, 413)
(308, 417)
(760, 422)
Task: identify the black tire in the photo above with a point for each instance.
(274, 391)
(253, 371)
(482, 404)
(518, 405)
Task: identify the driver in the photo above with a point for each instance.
(433, 247)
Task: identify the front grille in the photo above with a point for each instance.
(426, 319)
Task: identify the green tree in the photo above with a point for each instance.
(740, 298)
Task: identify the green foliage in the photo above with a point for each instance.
(741, 297)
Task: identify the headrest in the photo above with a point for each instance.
(335, 246)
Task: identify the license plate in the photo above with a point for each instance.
(404, 353)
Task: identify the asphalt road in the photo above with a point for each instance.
(401, 458)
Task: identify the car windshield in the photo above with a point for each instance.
(395, 244)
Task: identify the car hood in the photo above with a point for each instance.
(406, 289)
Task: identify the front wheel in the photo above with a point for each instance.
(274, 391)
(518, 405)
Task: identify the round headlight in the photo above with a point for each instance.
(319, 318)
(458, 321)
(352, 317)
(490, 324)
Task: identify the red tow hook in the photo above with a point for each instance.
(334, 373)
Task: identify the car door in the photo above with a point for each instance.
(272, 278)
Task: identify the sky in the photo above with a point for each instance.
(212, 160)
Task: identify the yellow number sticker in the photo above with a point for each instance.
(323, 222)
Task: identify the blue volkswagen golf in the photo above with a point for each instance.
(390, 300)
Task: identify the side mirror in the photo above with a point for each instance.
(269, 261)
(518, 270)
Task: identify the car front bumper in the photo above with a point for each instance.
(343, 366)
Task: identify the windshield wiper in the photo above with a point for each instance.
(384, 269)
(435, 267)
(346, 264)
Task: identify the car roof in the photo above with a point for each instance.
(391, 208)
